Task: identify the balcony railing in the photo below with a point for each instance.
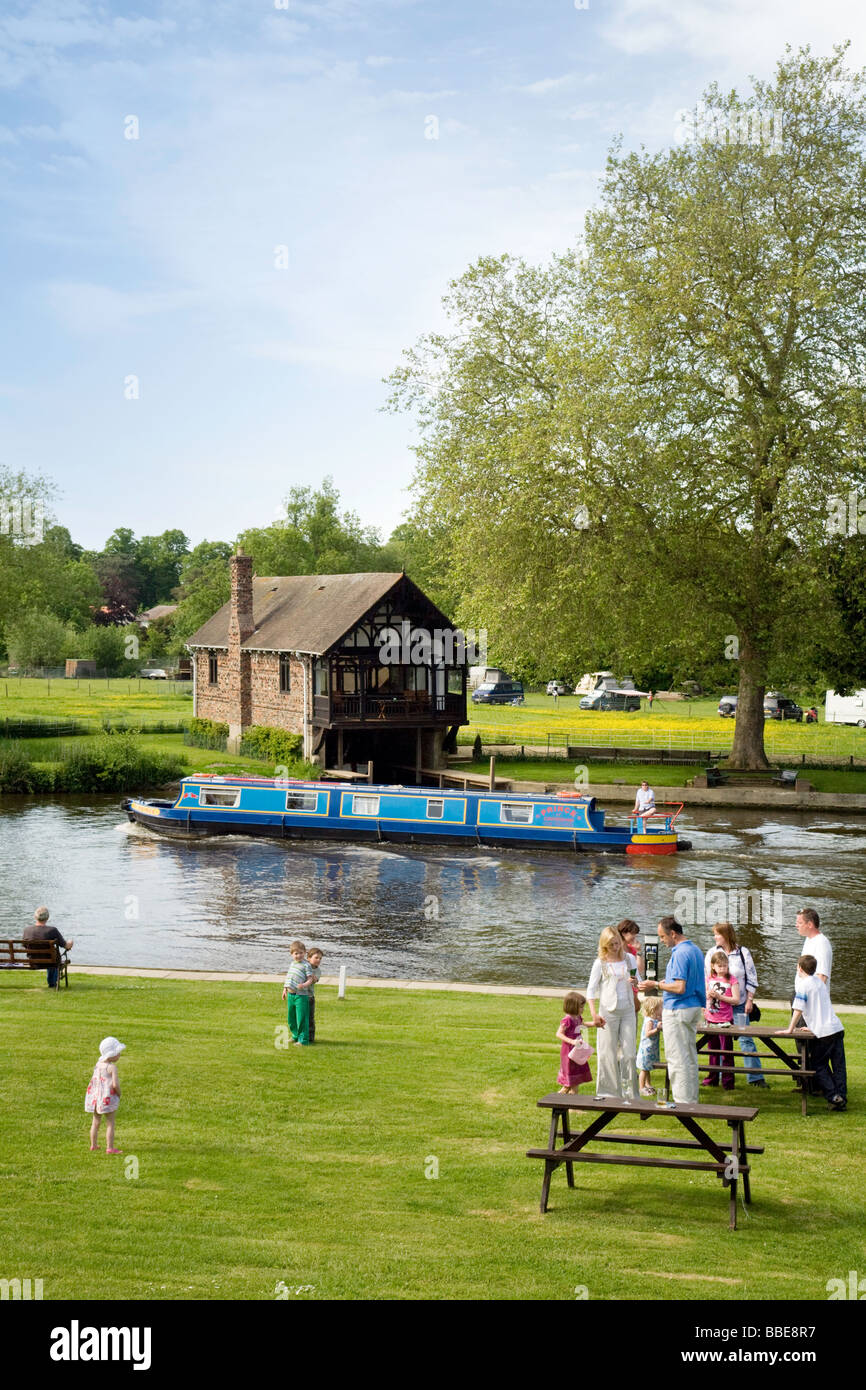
(408, 706)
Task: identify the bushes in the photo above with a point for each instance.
(17, 773)
(275, 746)
(206, 733)
(111, 763)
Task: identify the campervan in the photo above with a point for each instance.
(480, 675)
(601, 680)
(846, 709)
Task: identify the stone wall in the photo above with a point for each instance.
(271, 706)
(213, 701)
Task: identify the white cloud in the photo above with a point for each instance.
(740, 33)
(547, 84)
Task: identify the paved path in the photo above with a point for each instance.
(368, 982)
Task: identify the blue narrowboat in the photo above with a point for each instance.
(287, 809)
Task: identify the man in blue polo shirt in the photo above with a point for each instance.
(685, 997)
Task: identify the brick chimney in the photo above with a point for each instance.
(239, 664)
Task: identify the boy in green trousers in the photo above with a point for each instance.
(298, 982)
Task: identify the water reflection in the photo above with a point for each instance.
(506, 917)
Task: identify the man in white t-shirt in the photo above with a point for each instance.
(813, 1010)
(645, 800)
(815, 942)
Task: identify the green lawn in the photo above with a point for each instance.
(139, 701)
(257, 1165)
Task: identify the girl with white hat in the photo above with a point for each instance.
(103, 1093)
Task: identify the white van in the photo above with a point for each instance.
(846, 709)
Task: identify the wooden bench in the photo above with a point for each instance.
(727, 1160)
(16, 954)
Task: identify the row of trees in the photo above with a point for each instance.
(59, 600)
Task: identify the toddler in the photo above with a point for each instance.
(103, 1093)
(723, 993)
(648, 1047)
(572, 1074)
(299, 979)
(314, 956)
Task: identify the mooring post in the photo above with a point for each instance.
(341, 988)
(493, 772)
(370, 771)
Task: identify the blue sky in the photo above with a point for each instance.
(300, 124)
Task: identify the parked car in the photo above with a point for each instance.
(498, 693)
(611, 699)
(557, 688)
(154, 673)
(778, 706)
(728, 706)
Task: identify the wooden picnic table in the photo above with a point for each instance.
(794, 1063)
(729, 1160)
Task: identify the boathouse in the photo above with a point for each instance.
(317, 654)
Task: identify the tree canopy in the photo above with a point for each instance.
(631, 452)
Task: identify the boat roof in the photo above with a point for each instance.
(367, 788)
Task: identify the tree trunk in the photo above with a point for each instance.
(748, 751)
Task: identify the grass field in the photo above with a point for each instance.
(674, 724)
(257, 1165)
(137, 701)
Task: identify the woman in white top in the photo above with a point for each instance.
(610, 984)
(742, 969)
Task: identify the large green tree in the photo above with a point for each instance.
(635, 449)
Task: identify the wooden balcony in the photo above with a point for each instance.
(409, 707)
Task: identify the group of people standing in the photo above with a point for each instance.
(698, 989)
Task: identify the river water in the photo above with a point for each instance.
(129, 897)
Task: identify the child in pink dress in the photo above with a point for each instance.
(103, 1093)
(572, 1074)
(723, 995)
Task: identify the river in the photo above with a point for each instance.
(129, 897)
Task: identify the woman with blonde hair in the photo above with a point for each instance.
(742, 969)
(610, 985)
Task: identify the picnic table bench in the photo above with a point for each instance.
(795, 1064)
(728, 1160)
(16, 954)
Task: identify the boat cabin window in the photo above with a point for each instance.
(365, 805)
(302, 801)
(435, 809)
(212, 796)
(516, 812)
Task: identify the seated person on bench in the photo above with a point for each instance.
(39, 933)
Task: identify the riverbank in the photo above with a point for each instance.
(369, 982)
(387, 1162)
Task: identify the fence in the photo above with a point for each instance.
(824, 740)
